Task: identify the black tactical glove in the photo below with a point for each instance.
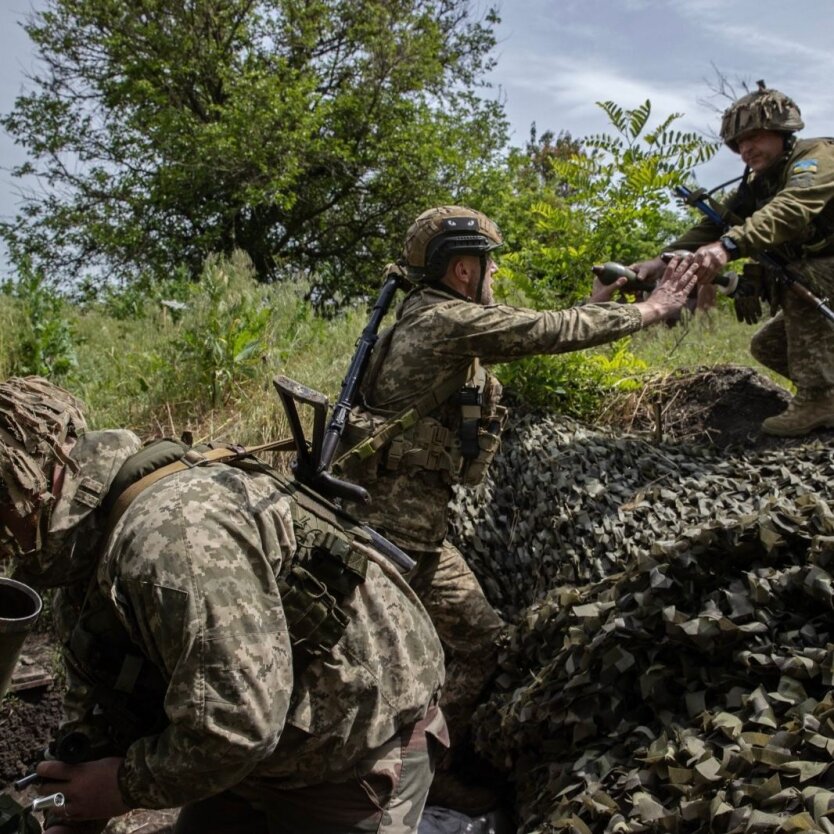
(747, 298)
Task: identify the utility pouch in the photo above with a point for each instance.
(489, 441)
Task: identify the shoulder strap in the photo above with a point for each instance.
(188, 460)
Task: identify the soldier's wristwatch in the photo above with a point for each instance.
(730, 246)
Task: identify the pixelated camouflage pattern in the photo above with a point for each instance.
(763, 109)
(38, 423)
(468, 625)
(66, 555)
(435, 338)
(798, 342)
(191, 571)
(386, 792)
(385, 795)
(787, 209)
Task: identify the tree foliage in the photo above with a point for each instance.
(564, 205)
(604, 197)
(305, 132)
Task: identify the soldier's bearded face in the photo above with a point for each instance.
(474, 279)
(759, 149)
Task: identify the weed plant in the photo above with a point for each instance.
(201, 357)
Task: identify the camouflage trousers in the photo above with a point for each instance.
(387, 797)
(468, 626)
(798, 342)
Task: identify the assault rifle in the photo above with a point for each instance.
(698, 199)
(353, 378)
(313, 464)
(314, 458)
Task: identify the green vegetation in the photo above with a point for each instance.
(305, 134)
(245, 168)
(206, 364)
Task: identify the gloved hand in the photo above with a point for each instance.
(747, 301)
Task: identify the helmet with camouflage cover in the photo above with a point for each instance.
(763, 109)
(39, 423)
(441, 233)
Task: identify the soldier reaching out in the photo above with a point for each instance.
(784, 205)
(429, 418)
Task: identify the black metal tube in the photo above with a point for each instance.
(20, 607)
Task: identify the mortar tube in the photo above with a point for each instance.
(20, 607)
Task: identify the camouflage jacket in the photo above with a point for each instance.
(435, 338)
(787, 209)
(191, 573)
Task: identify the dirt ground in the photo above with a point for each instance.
(722, 406)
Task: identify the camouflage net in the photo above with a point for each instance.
(672, 665)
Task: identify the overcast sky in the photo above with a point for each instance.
(557, 57)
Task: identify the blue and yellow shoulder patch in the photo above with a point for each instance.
(805, 166)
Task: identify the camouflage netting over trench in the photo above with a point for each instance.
(673, 662)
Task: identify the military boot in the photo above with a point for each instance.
(804, 413)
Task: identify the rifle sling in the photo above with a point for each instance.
(406, 418)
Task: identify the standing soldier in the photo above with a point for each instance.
(785, 205)
(429, 418)
(233, 643)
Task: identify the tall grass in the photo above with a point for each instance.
(207, 366)
(702, 340)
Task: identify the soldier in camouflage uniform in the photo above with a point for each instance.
(785, 205)
(196, 678)
(429, 416)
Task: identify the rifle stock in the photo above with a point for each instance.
(356, 370)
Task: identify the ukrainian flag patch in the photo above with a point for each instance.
(806, 166)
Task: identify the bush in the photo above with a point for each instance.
(44, 345)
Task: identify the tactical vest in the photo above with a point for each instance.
(817, 239)
(453, 430)
(331, 560)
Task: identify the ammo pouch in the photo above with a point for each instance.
(766, 281)
(461, 457)
(412, 441)
(315, 585)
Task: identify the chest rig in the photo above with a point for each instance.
(817, 237)
(453, 430)
(330, 561)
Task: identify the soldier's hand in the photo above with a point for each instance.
(91, 789)
(671, 292)
(649, 271)
(711, 260)
(746, 301)
(605, 292)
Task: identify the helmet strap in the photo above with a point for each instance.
(482, 277)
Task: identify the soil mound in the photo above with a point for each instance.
(719, 406)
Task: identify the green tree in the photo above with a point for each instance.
(304, 132)
(564, 205)
(570, 204)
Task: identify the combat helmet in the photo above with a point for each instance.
(440, 233)
(763, 109)
(39, 423)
